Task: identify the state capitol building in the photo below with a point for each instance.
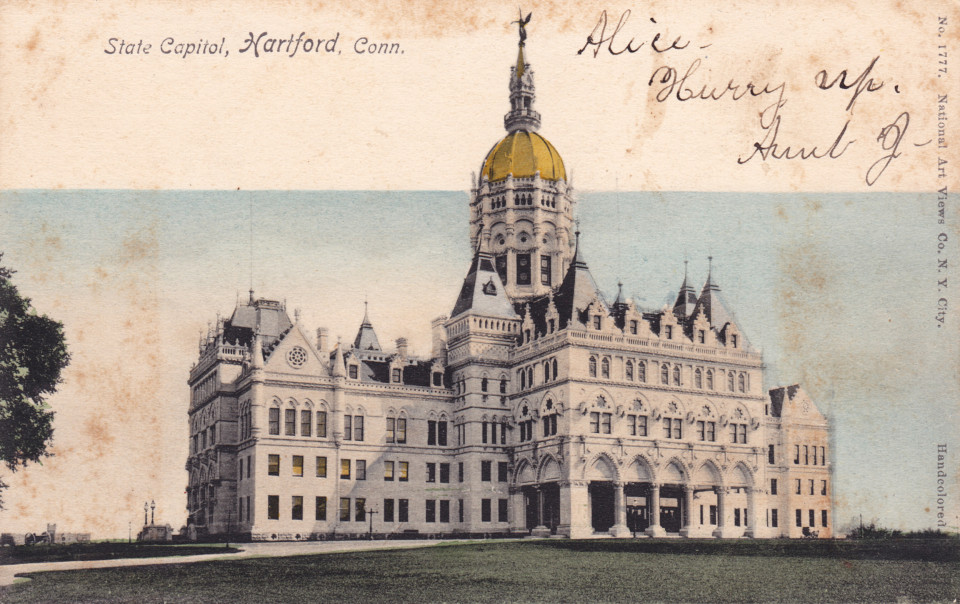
(543, 409)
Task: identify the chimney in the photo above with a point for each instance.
(402, 348)
(439, 350)
(322, 340)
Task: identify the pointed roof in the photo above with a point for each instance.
(482, 291)
(686, 298)
(576, 291)
(337, 370)
(712, 306)
(366, 337)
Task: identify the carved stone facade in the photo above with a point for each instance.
(543, 408)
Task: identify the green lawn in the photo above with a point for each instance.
(102, 550)
(543, 571)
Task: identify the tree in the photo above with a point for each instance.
(33, 354)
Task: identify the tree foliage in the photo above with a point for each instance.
(33, 354)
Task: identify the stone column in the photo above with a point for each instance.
(575, 510)
(619, 528)
(687, 512)
(750, 518)
(519, 520)
(722, 531)
(540, 530)
(655, 530)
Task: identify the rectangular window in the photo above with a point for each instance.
(273, 507)
(669, 332)
(347, 427)
(401, 430)
(273, 465)
(811, 486)
(360, 509)
(713, 514)
(391, 429)
(274, 421)
(444, 510)
(605, 422)
(432, 432)
(770, 456)
(797, 482)
(632, 424)
(641, 425)
(306, 422)
(460, 472)
(403, 510)
(344, 509)
(345, 468)
(442, 434)
(501, 471)
(595, 422)
(249, 460)
(523, 269)
(388, 510)
(823, 487)
(742, 431)
(773, 486)
(431, 472)
(358, 427)
(773, 518)
(813, 520)
(290, 422)
(404, 471)
(677, 428)
(814, 451)
(806, 456)
(823, 456)
(240, 472)
(736, 516)
(240, 508)
(667, 427)
(353, 372)
(701, 430)
(322, 424)
(483, 432)
(298, 465)
(633, 328)
(361, 469)
(796, 454)
(799, 517)
(597, 323)
(485, 470)
(502, 508)
(823, 517)
(460, 510)
(321, 511)
(321, 467)
(396, 374)
(712, 431)
(444, 472)
(296, 508)
(545, 270)
(485, 510)
(387, 471)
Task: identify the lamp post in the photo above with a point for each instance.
(146, 507)
(371, 512)
(152, 506)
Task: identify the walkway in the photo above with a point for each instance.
(8, 572)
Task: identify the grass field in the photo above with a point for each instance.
(541, 571)
(104, 550)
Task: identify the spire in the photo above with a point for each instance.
(366, 337)
(521, 116)
(577, 290)
(483, 291)
(711, 303)
(257, 353)
(686, 298)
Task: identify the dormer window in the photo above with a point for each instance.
(354, 371)
(701, 336)
(396, 375)
(633, 328)
(668, 331)
(437, 378)
(596, 322)
(551, 325)
(733, 340)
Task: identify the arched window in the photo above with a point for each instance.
(554, 368)
(698, 378)
(742, 383)
(546, 371)
(605, 368)
(676, 375)
(530, 376)
(709, 379)
(483, 385)
(730, 381)
(593, 367)
(523, 379)
(503, 385)
(665, 374)
(629, 371)
(642, 371)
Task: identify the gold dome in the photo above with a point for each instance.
(522, 154)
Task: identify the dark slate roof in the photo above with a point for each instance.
(686, 302)
(366, 337)
(375, 371)
(711, 304)
(270, 315)
(483, 291)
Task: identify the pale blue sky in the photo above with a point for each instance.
(838, 290)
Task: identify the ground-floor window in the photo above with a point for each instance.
(444, 510)
(431, 510)
(736, 516)
(502, 510)
(388, 510)
(321, 511)
(345, 509)
(813, 520)
(360, 509)
(296, 507)
(823, 517)
(799, 517)
(240, 510)
(485, 510)
(403, 508)
(773, 518)
(273, 507)
(460, 509)
(713, 514)
(249, 507)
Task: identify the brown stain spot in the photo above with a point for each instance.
(31, 44)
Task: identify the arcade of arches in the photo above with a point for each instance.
(635, 501)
